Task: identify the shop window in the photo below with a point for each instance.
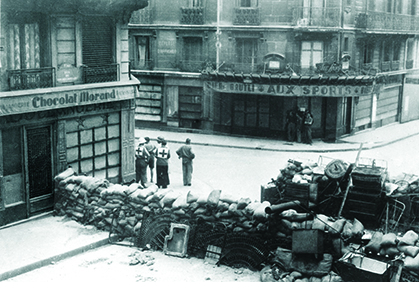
(96, 151)
(246, 54)
(311, 54)
(142, 52)
(12, 167)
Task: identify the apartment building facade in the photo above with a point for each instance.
(67, 98)
(238, 66)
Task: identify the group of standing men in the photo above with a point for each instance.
(299, 121)
(147, 155)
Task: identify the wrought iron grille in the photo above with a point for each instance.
(101, 73)
(246, 16)
(194, 15)
(31, 78)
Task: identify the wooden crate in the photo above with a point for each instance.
(303, 192)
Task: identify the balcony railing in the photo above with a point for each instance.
(386, 21)
(242, 67)
(192, 66)
(31, 78)
(395, 65)
(316, 17)
(390, 66)
(193, 15)
(101, 73)
(143, 16)
(246, 16)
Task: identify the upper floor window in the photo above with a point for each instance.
(311, 53)
(25, 45)
(412, 8)
(247, 3)
(247, 50)
(368, 53)
(141, 52)
(192, 49)
(193, 3)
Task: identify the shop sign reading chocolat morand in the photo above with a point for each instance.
(289, 90)
(56, 100)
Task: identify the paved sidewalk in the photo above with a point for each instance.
(40, 241)
(46, 239)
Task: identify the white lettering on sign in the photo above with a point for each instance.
(46, 101)
(289, 90)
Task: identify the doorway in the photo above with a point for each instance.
(347, 115)
(39, 169)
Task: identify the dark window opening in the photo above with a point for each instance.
(192, 49)
(142, 52)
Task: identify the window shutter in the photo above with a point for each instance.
(97, 35)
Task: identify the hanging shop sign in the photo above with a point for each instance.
(55, 100)
(289, 90)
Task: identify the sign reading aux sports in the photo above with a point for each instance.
(289, 90)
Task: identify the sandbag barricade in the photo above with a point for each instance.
(120, 208)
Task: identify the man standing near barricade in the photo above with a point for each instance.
(141, 159)
(162, 164)
(307, 122)
(291, 125)
(151, 149)
(299, 117)
(185, 153)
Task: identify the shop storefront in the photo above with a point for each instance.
(258, 105)
(43, 131)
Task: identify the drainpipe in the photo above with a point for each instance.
(340, 30)
(218, 33)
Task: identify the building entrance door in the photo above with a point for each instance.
(39, 169)
(347, 115)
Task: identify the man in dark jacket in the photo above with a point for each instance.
(141, 159)
(162, 164)
(307, 122)
(291, 124)
(185, 153)
(151, 149)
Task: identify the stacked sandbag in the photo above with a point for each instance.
(297, 172)
(94, 201)
(290, 267)
(391, 245)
